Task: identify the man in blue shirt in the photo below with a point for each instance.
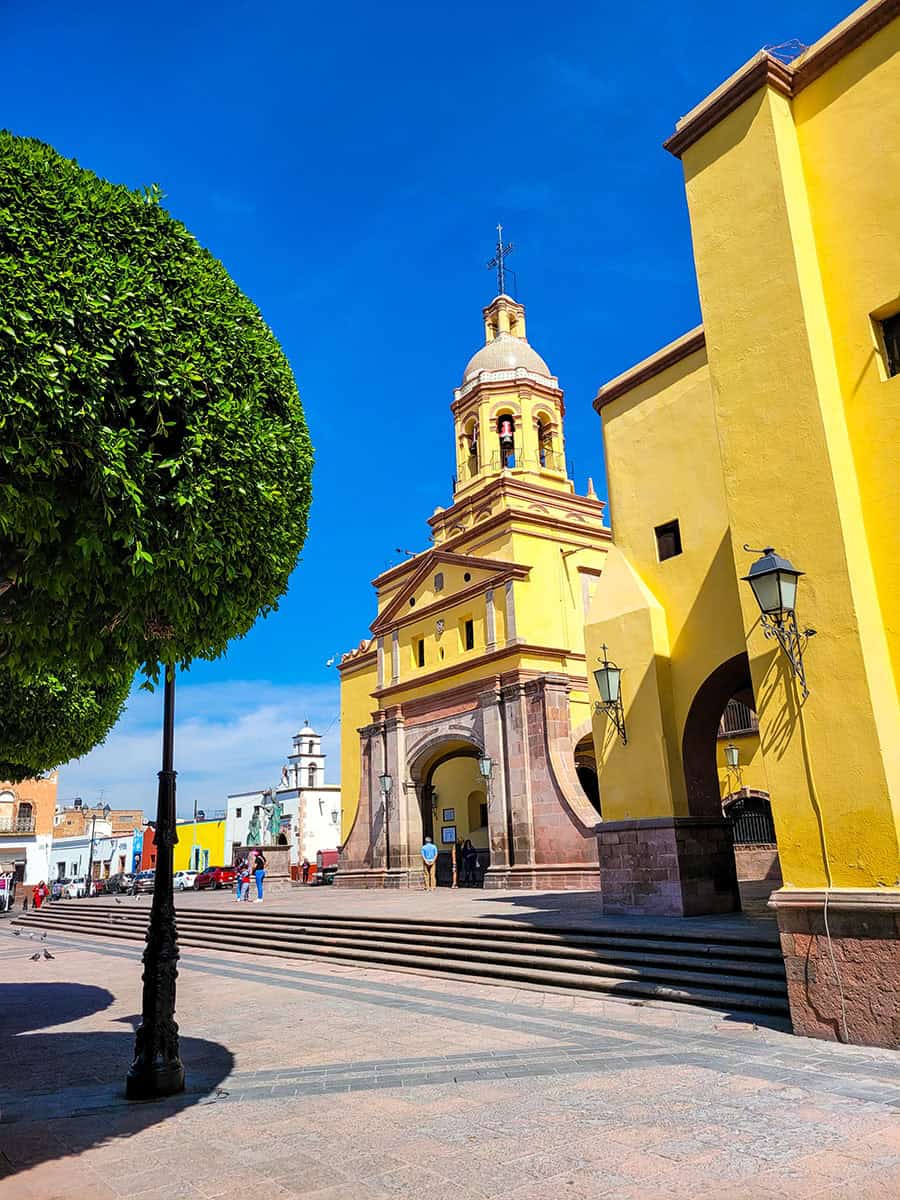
(429, 858)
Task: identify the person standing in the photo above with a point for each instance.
(429, 861)
(259, 873)
(245, 880)
(470, 863)
(305, 869)
(239, 878)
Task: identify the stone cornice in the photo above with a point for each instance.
(648, 368)
(459, 668)
(872, 899)
(763, 70)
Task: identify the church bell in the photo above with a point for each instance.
(506, 433)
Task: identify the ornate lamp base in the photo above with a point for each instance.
(153, 1080)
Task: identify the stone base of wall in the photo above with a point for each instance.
(550, 877)
(668, 866)
(397, 878)
(848, 990)
(758, 861)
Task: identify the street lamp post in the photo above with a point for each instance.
(386, 783)
(90, 865)
(157, 1069)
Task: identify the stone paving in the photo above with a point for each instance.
(330, 1081)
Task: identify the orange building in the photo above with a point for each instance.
(27, 810)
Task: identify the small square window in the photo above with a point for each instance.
(420, 652)
(668, 540)
(237, 813)
(890, 336)
(469, 634)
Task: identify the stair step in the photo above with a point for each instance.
(720, 997)
(671, 971)
(710, 985)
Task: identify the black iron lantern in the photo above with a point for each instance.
(774, 583)
(608, 678)
(773, 580)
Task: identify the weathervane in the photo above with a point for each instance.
(497, 261)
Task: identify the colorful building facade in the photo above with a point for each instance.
(774, 424)
(461, 714)
(26, 829)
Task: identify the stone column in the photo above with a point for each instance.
(498, 813)
(379, 678)
(510, 613)
(518, 773)
(490, 623)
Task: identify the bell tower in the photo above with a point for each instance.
(508, 411)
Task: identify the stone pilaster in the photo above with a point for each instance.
(498, 807)
(518, 773)
(843, 963)
(668, 866)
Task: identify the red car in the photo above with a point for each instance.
(215, 877)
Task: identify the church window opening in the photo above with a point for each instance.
(471, 447)
(545, 444)
(467, 577)
(469, 634)
(309, 748)
(311, 776)
(668, 540)
(890, 337)
(237, 813)
(439, 581)
(420, 652)
(506, 433)
(412, 602)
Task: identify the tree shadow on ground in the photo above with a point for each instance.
(62, 1091)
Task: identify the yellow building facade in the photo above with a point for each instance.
(776, 423)
(462, 713)
(200, 844)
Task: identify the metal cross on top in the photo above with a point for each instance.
(497, 261)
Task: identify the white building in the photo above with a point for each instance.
(311, 808)
(109, 854)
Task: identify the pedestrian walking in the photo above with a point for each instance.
(429, 859)
(259, 873)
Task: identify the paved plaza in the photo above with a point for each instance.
(330, 1081)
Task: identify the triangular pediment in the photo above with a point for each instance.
(483, 571)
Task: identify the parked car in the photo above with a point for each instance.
(183, 881)
(215, 877)
(58, 888)
(76, 889)
(121, 882)
(143, 882)
(99, 887)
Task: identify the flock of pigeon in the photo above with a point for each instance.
(35, 957)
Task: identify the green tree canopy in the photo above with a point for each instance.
(155, 462)
(53, 718)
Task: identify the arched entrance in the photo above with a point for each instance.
(454, 807)
(586, 770)
(725, 777)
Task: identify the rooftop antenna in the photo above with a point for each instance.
(497, 262)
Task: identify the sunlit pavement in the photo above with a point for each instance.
(329, 1081)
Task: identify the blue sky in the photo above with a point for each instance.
(348, 163)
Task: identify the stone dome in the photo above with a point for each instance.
(505, 353)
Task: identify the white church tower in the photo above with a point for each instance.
(311, 808)
(306, 766)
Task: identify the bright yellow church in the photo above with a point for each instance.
(753, 560)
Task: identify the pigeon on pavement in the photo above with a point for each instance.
(47, 954)
(35, 957)
(17, 933)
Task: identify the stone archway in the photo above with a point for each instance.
(454, 809)
(698, 742)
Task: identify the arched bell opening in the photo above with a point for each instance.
(470, 454)
(506, 437)
(545, 435)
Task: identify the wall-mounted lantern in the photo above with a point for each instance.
(732, 757)
(335, 816)
(609, 684)
(486, 767)
(386, 783)
(773, 580)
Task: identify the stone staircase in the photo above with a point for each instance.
(740, 970)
